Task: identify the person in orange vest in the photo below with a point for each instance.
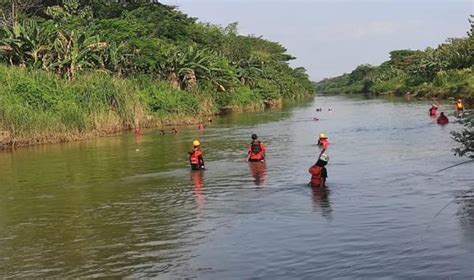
(433, 110)
(201, 126)
(138, 131)
(195, 157)
(459, 105)
(318, 172)
(442, 119)
(256, 150)
(323, 140)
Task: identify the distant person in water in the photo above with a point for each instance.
(195, 157)
(138, 131)
(162, 132)
(318, 172)
(174, 131)
(442, 119)
(201, 126)
(315, 119)
(256, 150)
(323, 140)
(433, 110)
(209, 120)
(459, 105)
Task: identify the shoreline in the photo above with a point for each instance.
(8, 143)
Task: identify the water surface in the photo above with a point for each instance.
(130, 207)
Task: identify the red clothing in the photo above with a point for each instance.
(196, 160)
(433, 111)
(324, 142)
(317, 173)
(442, 120)
(256, 151)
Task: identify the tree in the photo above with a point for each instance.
(11, 10)
(465, 137)
(25, 44)
(75, 51)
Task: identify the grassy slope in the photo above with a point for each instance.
(37, 107)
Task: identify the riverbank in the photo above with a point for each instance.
(38, 108)
(78, 70)
(455, 84)
(444, 72)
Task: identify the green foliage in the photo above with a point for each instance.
(95, 64)
(465, 137)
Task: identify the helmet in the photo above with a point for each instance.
(196, 143)
(323, 136)
(434, 105)
(324, 157)
(459, 100)
(254, 136)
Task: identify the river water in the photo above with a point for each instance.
(130, 207)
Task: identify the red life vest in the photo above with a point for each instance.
(442, 120)
(256, 150)
(315, 176)
(433, 111)
(194, 157)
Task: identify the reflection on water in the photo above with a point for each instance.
(197, 177)
(259, 172)
(321, 201)
(130, 207)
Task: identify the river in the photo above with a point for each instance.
(129, 207)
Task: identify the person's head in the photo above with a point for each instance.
(434, 106)
(442, 114)
(254, 136)
(323, 136)
(459, 100)
(196, 144)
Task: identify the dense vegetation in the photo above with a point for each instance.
(446, 71)
(465, 136)
(72, 68)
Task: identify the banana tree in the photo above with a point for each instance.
(25, 44)
(183, 67)
(74, 52)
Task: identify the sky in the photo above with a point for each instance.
(332, 37)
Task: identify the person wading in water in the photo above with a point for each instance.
(318, 172)
(256, 150)
(195, 157)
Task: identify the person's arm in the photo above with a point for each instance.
(201, 160)
(324, 175)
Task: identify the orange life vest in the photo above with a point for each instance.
(315, 175)
(459, 105)
(442, 120)
(256, 150)
(194, 157)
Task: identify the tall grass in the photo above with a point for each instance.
(38, 107)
